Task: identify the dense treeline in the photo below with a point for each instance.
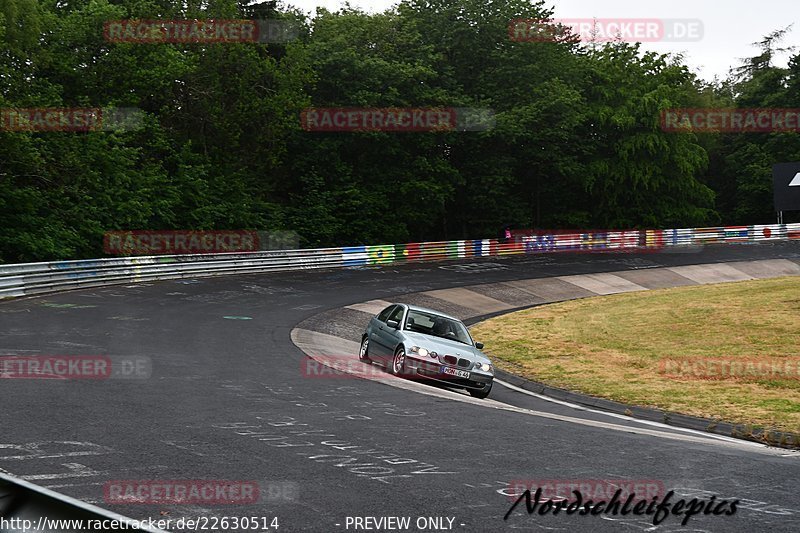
(577, 140)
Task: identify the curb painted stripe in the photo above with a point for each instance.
(602, 284)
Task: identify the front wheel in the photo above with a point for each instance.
(481, 394)
(363, 353)
(398, 367)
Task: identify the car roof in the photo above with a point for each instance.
(426, 310)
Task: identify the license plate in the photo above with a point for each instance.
(453, 372)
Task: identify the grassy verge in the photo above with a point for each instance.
(667, 349)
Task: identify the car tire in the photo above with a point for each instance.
(363, 353)
(398, 366)
(481, 394)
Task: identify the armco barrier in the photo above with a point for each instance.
(27, 507)
(29, 279)
(20, 499)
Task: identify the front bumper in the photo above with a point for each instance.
(427, 369)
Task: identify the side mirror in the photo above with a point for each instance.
(479, 345)
(394, 324)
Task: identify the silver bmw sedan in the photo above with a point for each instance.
(416, 342)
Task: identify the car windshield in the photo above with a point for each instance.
(438, 326)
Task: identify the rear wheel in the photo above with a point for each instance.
(363, 353)
(483, 393)
(398, 367)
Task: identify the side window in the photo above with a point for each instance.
(385, 313)
(397, 314)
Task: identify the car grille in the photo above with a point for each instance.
(455, 361)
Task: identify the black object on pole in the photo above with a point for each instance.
(786, 186)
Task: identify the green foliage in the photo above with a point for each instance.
(743, 169)
(577, 140)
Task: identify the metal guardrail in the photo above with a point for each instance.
(29, 279)
(23, 500)
(26, 507)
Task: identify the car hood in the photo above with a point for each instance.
(445, 346)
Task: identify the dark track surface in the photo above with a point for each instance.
(227, 400)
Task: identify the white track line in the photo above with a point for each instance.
(624, 417)
(316, 345)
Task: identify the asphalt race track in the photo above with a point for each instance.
(227, 399)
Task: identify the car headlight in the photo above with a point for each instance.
(486, 367)
(421, 351)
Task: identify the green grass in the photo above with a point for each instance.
(613, 346)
